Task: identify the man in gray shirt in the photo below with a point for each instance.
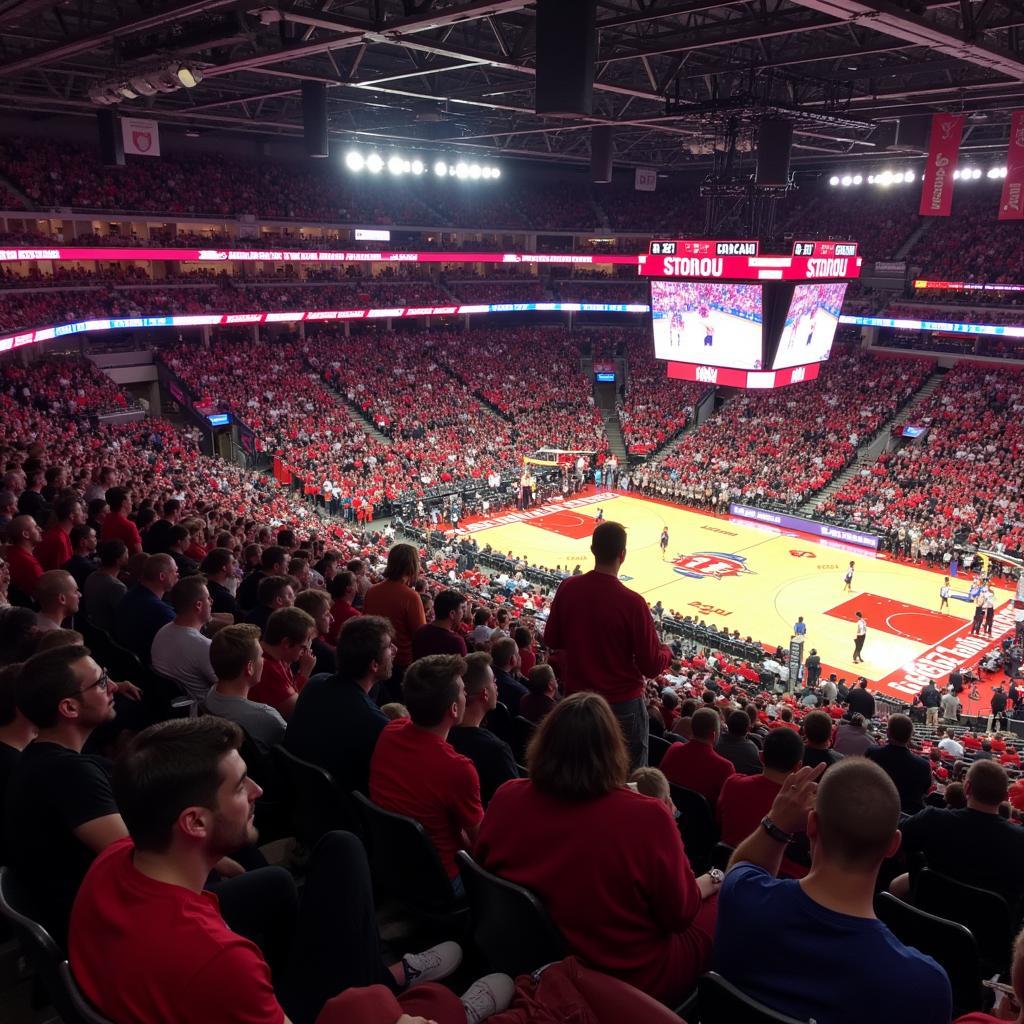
(237, 659)
(737, 747)
(103, 590)
(179, 650)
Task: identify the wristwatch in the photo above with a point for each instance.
(778, 834)
(717, 875)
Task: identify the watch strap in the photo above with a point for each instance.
(778, 834)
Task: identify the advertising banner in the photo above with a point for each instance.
(808, 526)
(937, 189)
(141, 136)
(1011, 203)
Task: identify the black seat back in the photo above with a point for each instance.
(84, 1013)
(319, 803)
(985, 914)
(522, 731)
(404, 861)
(723, 1003)
(499, 721)
(950, 944)
(510, 924)
(657, 748)
(41, 951)
(696, 825)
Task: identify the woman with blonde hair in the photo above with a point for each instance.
(395, 600)
(608, 863)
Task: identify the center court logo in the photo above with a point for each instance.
(714, 565)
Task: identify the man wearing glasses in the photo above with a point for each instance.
(60, 810)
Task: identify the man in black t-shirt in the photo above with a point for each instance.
(911, 773)
(493, 758)
(217, 567)
(860, 702)
(59, 808)
(950, 840)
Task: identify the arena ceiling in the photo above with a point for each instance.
(459, 74)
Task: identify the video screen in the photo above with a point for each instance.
(710, 324)
(810, 325)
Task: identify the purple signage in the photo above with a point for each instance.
(809, 526)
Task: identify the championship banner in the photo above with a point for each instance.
(141, 136)
(937, 190)
(645, 179)
(1011, 204)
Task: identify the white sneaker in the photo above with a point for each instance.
(432, 964)
(491, 994)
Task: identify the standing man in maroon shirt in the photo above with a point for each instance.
(607, 638)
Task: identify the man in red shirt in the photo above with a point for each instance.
(746, 799)
(606, 633)
(54, 549)
(287, 639)
(117, 525)
(440, 636)
(150, 945)
(415, 772)
(342, 588)
(695, 765)
(22, 536)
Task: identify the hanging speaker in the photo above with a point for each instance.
(601, 136)
(566, 46)
(774, 146)
(111, 143)
(314, 118)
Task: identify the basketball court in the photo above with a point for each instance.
(757, 579)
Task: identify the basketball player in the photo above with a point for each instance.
(600, 516)
(944, 592)
(811, 328)
(858, 640)
(664, 542)
(709, 334)
(848, 580)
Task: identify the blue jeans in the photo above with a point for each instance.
(633, 720)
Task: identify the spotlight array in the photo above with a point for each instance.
(974, 173)
(397, 164)
(883, 180)
(168, 78)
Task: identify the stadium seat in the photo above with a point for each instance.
(720, 1002)
(696, 825)
(657, 748)
(522, 730)
(319, 804)
(499, 721)
(985, 914)
(949, 943)
(406, 867)
(720, 855)
(43, 953)
(509, 923)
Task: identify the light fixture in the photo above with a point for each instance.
(486, 172)
(417, 166)
(142, 85)
(857, 179)
(354, 161)
(395, 164)
(956, 175)
(474, 170)
(461, 170)
(846, 181)
(495, 172)
(187, 75)
(834, 180)
(440, 168)
(125, 90)
(909, 177)
(976, 173)
(374, 163)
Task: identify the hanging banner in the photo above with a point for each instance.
(937, 190)
(645, 179)
(141, 136)
(1011, 203)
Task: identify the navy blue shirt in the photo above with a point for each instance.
(785, 950)
(510, 690)
(335, 725)
(138, 617)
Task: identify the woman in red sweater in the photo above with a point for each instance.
(606, 862)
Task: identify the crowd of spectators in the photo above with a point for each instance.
(961, 481)
(784, 446)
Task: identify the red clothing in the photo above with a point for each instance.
(154, 953)
(696, 765)
(277, 684)
(119, 527)
(527, 660)
(403, 606)
(25, 569)
(607, 635)
(54, 549)
(743, 802)
(376, 1004)
(614, 877)
(341, 612)
(416, 773)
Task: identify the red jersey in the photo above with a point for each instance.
(697, 766)
(25, 569)
(54, 549)
(119, 527)
(277, 684)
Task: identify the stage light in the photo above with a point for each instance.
(857, 179)
(440, 168)
(976, 173)
(993, 172)
(909, 176)
(486, 172)
(495, 172)
(187, 75)
(846, 181)
(956, 175)
(374, 163)
(125, 90)
(834, 180)
(898, 178)
(461, 171)
(474, 170)
(416, 167)
(395, 164)
(354, 161)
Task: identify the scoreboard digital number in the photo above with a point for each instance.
(705, 248)
(663, 248)
(825, 250)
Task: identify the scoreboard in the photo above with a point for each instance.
(741, 260)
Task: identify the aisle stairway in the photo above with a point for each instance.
(352, 409)
(868, 453)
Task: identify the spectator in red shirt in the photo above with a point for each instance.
(527, 654)
(415, 772)
(143, 924)
(608, 639)
(695, 765)
(22, 537)
(342, 588)
(117, 525)
(746, 799)
(287, 639)
(574, 829)
(54, 549)
(439, 636)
